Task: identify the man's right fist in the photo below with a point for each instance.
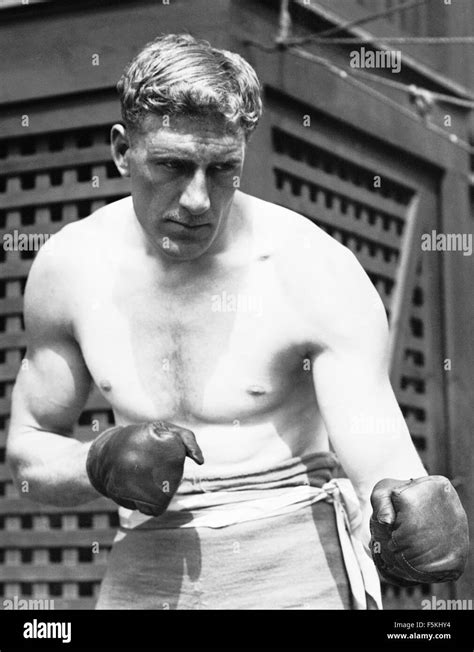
(140, 466)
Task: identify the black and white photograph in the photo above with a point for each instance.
(236, 322)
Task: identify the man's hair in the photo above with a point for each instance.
(179, 74)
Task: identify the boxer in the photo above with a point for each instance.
(235, 341)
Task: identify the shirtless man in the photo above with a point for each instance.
(222, 328)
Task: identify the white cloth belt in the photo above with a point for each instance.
(218, 509)
(361, 571)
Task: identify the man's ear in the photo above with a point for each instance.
(120, 148)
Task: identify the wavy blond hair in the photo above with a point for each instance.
(179, 74)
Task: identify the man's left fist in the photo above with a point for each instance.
(419, 531)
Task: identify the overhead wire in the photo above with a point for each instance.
(347, 76)
(284, 41)
(351, 40)
(409, 4)
(410, 88)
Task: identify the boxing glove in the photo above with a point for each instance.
(419, 531)
(140, 466)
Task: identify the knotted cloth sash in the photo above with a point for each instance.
(217, 502)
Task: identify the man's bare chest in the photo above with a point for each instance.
(218, 351)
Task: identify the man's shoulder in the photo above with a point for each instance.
(98, 224)
(66, 259)
(80, 240)
(297, 240)
(324, 280)
(73, 249)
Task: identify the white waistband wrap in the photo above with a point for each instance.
(218, 509)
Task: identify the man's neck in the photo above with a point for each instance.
(230, 242)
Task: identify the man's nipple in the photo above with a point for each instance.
(105, 385)
(256, 390)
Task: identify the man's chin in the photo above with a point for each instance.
(183, 250)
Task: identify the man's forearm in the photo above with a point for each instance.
(49, 468)
(364, 530)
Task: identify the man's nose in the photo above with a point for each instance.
(195, 197)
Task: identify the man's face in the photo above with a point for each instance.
(183, 178)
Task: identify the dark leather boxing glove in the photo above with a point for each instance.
(140, 466)
(419, 531)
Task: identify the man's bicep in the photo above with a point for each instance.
(349, 398)
(363, 419)
(53, 382)
(51, 388)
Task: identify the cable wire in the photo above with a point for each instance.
(360, 40)
(410, 4)
(348, 77)
(410, 88)
(453, 138)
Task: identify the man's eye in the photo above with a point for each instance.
(170, 165)
(222, 167)
(173, 165)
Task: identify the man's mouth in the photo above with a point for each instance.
(189, 225)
